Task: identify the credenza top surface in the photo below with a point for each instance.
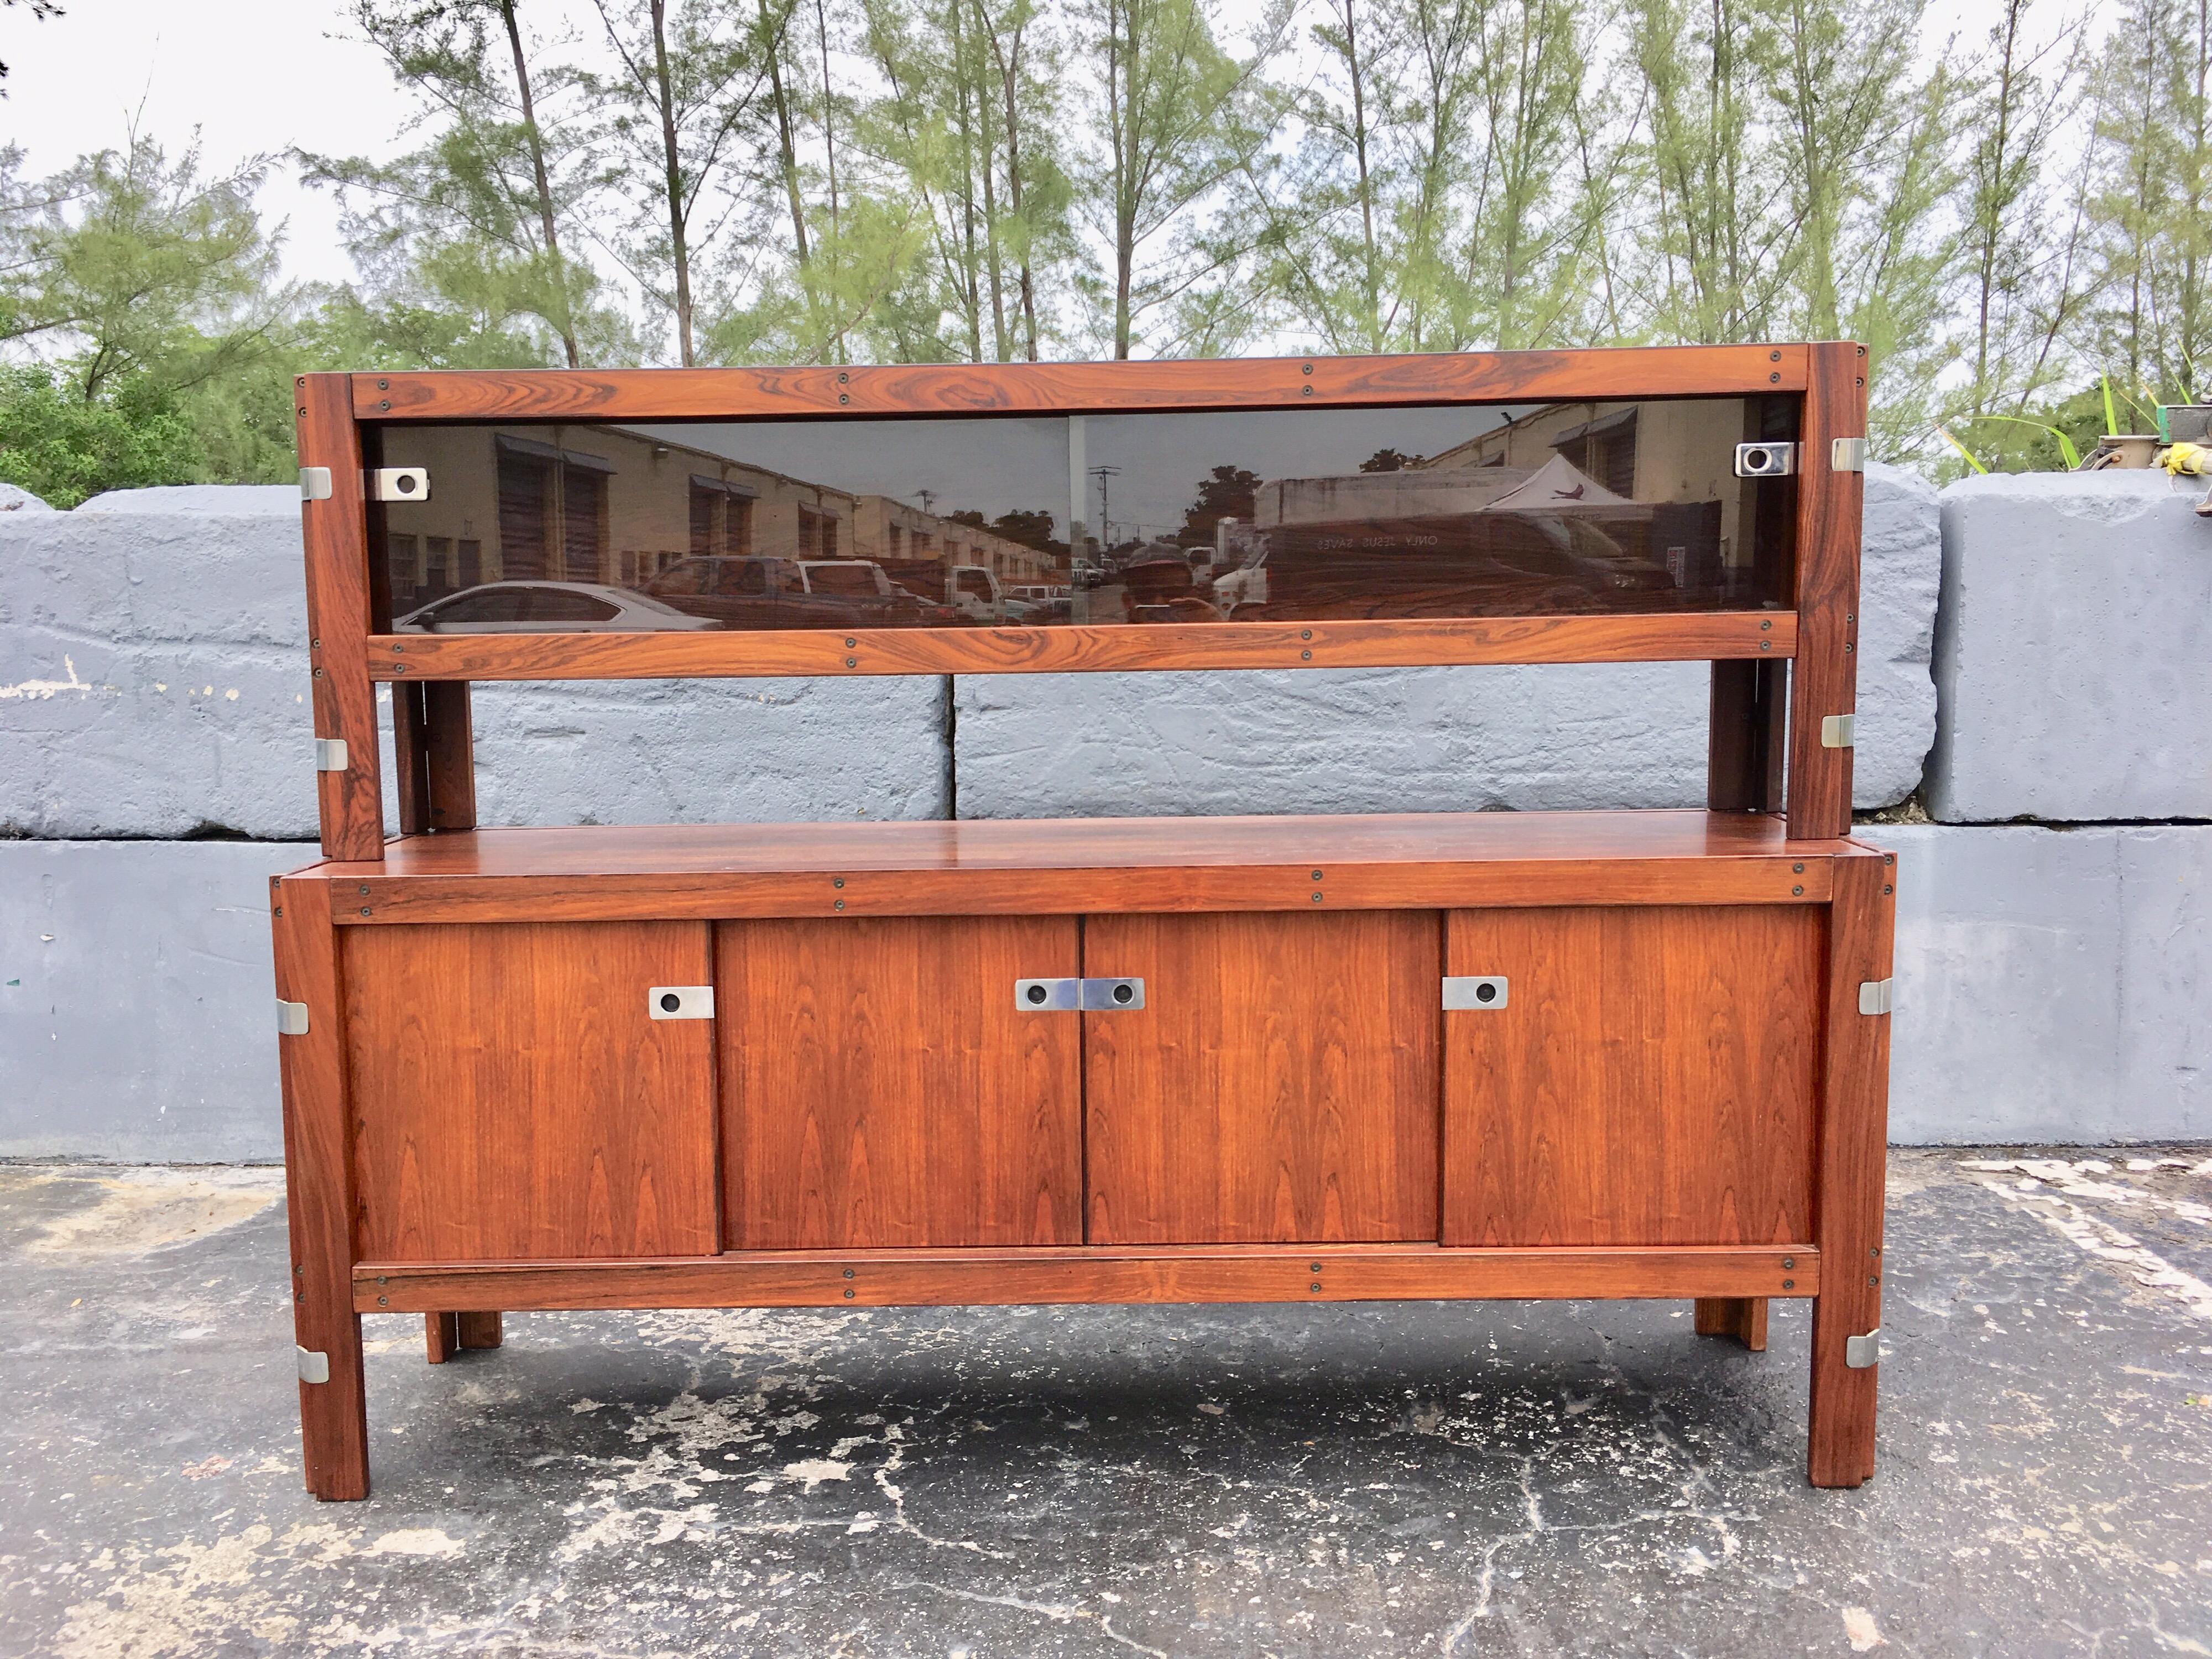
(937, 845)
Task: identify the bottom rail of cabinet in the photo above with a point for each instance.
(1077, 1273)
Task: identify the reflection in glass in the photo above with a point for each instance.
(1288, 515)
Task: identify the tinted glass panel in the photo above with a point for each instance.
(1290, 515)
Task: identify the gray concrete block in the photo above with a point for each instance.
(153, 682)
(223, 500)
(1436, 739)
(2050, 983)
(137, 1016)
(2073, 657)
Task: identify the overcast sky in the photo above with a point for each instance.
(262, 76)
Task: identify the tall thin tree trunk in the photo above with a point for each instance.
(787, 147)
(1372, 276)
(544, 186)
(680, 254)
(1010, 65)
(830, 144)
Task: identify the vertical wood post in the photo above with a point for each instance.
(319, 1189)
(335, 536)
(1829, 507)
(1849, 1170)
(1743, 1317)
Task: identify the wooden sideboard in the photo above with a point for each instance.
(1301, 1058)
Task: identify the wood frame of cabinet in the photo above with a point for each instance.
(1777, 858)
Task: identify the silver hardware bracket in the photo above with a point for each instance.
(1047, 996)
(1067, 996)
(329, 754)
(1847, 455)
(1113, 996)
(1877, 996)
(314, 483)
(680, 1001)
(1839, 731)
(315, 1365)
(1474, 991)
(1863, 1352)
(291, 1018)
(1777, 460)
(400, 484)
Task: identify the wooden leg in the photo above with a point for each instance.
(333, 1399)
(1855, 1094)
(445, 1335)
(1743, 1317)
(441, 1336)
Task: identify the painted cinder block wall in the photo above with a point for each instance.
(2053, 980)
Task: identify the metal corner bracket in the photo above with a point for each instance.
(1839, 731)
(315, 1365)
(314, 483)
(1847, 455)
(1877, 996)
(329, 754)
(1862, 1353)
(291, 1018)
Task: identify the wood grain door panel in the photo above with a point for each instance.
(515, 1099)
(1649, 1080)
(881, 1089)
(1280, 1084)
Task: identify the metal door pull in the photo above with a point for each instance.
(1060, 996)
(1471, 991)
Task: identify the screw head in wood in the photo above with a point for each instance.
(1306, 392)
(364, 910)
(1787, 1262)
(1316, 899)
(1789, 1283)
(839, 905)
(844, 397)
(1797, 869)
(848, 1296)
(1766, 645)
(384, 1302)
(1887, 889)
(849, 644)
(1316, 1286)
(1797, 892)
(1305, 656)
(384, 403)
(850, 663)
(1773, 356)
(1776, 376)
(384, 386)
(1305, 368)
(1317, 876)
(1872, 1279)
(848, 1273)
(1316, 1266)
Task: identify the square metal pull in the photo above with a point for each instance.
(329, 754)
(314, 483)
(680, 1001)
(291, 1018)
(1467, 991)
(315, 1365)
(1877, 996)
(1839, 731)
(1863, 1352)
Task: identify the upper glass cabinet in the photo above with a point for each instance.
(1293, 515)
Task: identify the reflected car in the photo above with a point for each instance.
(532, 607)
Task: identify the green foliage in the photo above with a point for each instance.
(64, 447)
(1226, 492)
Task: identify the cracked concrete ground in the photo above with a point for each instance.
(1506, 1478)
